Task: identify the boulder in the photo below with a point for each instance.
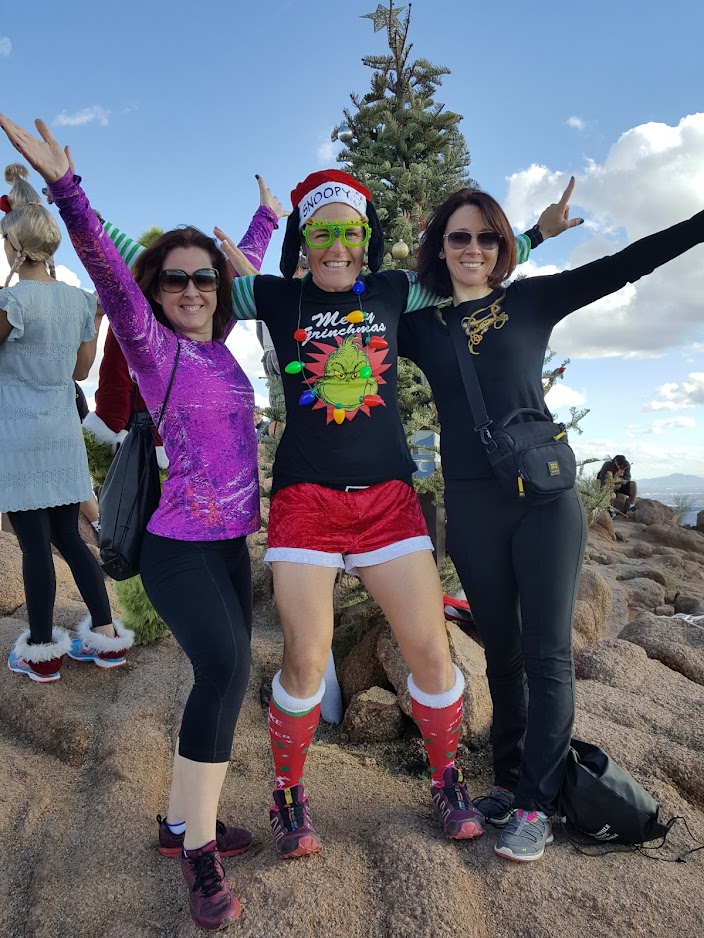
(373, 716)
(644, 593)
(676, 642)
(641, 551)
(688, 605)
(592, 607)
(354, 622)
(671, 535)
(649, 511)
(603, 526)
(360, 668)
(469, 658)
(700, 521)
(11, 585)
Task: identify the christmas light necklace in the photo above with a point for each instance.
(310, 395)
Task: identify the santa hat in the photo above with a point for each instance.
(5, 204)
(327, 186)
(324, 187)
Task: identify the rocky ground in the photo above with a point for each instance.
(85, 762)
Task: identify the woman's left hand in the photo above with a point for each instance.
(47, 155)
(556, 217)
(267, 197)
(238, 262)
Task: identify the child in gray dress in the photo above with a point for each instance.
(47, 338)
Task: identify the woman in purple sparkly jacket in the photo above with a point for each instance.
(195, 563)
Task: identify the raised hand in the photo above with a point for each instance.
(266, 197)
(236, 259)
(556, 217)
(46, 155)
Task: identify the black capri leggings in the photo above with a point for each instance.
(36, 531)
(519, 566)
(203, 592)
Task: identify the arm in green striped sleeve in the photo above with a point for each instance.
(128, 249)
(243, 303)
(418, 296)
(522, 248)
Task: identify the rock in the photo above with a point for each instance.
(645, 593)
(657, 575)
(604, 526)
(700, 521)
(469, 658)
(689, 605)
(354, 622)
(262, 580)
(677, 643)
(592, 607)
(641, 551)
(373, 716)
(649, 511)
(665, 610)
(360, 668)
(671, 535)
(11, 585)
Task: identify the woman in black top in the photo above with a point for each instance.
(519, 563)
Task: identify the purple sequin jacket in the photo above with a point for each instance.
(212, 490)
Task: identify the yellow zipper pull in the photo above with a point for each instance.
(521, 493)
(560, 435)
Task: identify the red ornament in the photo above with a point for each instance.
(377, 342)
(300, 335)
(372, 400)
(560, 371)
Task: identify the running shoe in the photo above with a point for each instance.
(453, 809)
(18, 664)
(496, 806)
(525, 836)
(231, 841)
(212, 904)
(294, 834)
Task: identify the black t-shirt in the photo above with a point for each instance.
(509, 331)
(368, 446)
(611, 467)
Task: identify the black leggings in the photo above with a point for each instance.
(36, 531)
(203, 592)
(520, 566)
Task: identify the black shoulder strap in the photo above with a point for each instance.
(470, 379)
(171, 381)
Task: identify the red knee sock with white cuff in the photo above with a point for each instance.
(292, 723)
(439, 719)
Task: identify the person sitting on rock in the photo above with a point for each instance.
(617, 471)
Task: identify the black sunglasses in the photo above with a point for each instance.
(207, 280)
(485, 239)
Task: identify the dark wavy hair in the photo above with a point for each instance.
(150, 262)
(292, 243)
(432, 269)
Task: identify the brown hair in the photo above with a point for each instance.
(149, 264)
(432, 269)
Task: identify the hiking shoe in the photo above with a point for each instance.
(294, 834)
(612, 512)
(212, 904)
(525, 836)
(496, 807)
(453, 808)
(50, 671)
(631, 508)
(231, 841)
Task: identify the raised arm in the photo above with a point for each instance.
(142, 338)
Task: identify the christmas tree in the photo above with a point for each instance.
(408, 150)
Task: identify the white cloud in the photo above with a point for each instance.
(325, 152)
(648, 458)
(675, 423)
(87, 115)
(652, 177)
(563, 396)
(5, 46)
(576, 122)
(673, 396)
(67, 276)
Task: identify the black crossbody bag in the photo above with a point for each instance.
(527, 451)
(130, 494)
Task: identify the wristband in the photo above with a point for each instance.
(534, 236)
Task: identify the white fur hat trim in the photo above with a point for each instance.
(47, 651)
(161, 458)
(101, 431)
(124, 637)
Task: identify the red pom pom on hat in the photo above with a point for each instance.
(5, 204)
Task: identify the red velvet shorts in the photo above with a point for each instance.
(317, 525)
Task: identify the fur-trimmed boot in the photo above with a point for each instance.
(40, 662)
(102, 650)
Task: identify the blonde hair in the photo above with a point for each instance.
(31, 229)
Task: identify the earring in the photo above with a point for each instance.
(441, 255)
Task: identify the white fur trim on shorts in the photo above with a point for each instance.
(409, 545)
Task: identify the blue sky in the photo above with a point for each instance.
(170, 110)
